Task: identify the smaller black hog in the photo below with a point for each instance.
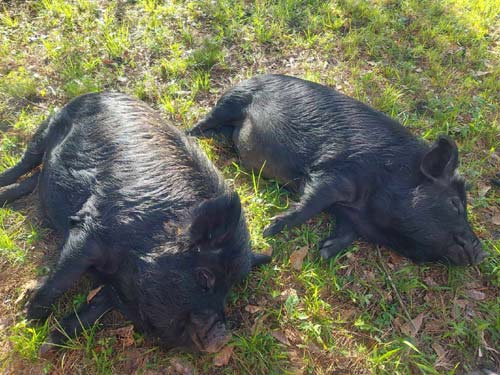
(143, 209)
(340, 155)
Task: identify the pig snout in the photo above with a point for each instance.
(208, 332)
(467, 250)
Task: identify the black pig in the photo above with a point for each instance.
(340, 155)
(142, 208)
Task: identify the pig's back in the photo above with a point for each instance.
(118, 150)
(293, 124)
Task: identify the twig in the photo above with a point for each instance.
(398, 296)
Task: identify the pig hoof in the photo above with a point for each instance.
(36, 312)
(46, 350)
(329, 249)
(273, 228)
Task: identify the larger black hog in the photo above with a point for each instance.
(340, 155)
(141, 207)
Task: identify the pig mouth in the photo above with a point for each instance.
(212, 340)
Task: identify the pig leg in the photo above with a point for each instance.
(229, 111)
(319, 194)
(73, 324)
(79, 252)
(31, 158)
(342, 238)
(17, 190)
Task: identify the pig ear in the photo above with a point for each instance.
(441, 161)
(215, 220)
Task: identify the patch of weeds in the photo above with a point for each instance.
(27, 339)
(19, 84)
(258, 351)
(13, 232)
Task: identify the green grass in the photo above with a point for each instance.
(431, 65)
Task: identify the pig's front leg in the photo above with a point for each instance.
(319, 193)
(73, 324)
(343, 236)
(80, 251)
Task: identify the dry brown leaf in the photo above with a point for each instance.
(280, 336)
(395, 258)
(441, 360)
(125, 335)
(222, 358)
(483, 190)
(429, 281)
(287, 293)
(182, 367)
(496, 219)
(412, 327)
(369, 276)
(313, 348)
(268, 251)
(441, 353)
(346, 314)
(475, 294)
(93, 293)
(434, 326)
(297, 258)
(252, 309)
(26, 290)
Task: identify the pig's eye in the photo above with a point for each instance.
(205, 278)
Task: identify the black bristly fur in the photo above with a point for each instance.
(142, 207)
(340, 155)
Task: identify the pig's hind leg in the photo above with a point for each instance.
(227, 113)
(32, 157)
(73, 324)
(19, 189)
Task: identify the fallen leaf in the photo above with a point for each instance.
(346, 314)
(297, 258)
(93, 293)
(26, 290)
(182, 367)
(479, 73)
(280, 336)
(435, 325)
(483, 190)
(313, 348)
(496, 219)
(439, 350)
(222, 358)
(268, 251)
(441, 360)
(475, 294)
(412, 327)
(395, 258)
(287, 293)
(252, 309)
(125, 335)
(369, 276)
(429, 281)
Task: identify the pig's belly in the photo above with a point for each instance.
(262, 152)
